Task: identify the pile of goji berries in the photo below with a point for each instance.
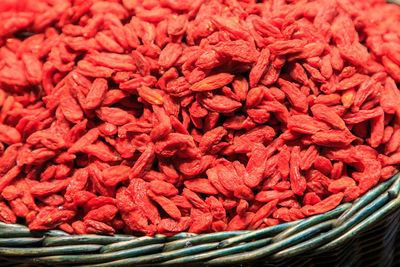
(163, 116)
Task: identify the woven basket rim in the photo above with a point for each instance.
(314, 235)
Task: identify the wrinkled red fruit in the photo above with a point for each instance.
(145, 117)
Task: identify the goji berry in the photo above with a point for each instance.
(157, 117)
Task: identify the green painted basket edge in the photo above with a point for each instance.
(316, 234)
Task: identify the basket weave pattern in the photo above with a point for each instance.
(362, 233)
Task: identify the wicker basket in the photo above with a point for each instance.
(359, 234)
